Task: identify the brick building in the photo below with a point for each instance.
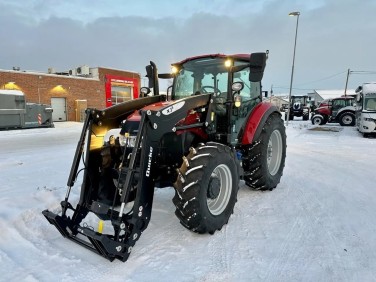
(70, 93)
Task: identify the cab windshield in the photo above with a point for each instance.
(370, 102)
(209, 75)
(299, 99)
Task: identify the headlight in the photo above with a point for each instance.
(128, 140)
(368, 119)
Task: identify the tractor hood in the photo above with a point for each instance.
(136, 115)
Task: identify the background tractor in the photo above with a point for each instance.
(299, 107)
(340, 110)
(209, 132)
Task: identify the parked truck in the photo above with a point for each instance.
(366, 108)
(16, 113)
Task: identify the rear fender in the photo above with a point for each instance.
(350, 109)
(255, 121)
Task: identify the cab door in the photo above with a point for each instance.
(251, 96)
(336, 106)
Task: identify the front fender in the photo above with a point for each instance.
(255, 121)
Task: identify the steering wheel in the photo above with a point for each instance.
(215, 90)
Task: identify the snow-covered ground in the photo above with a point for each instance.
(318, 225)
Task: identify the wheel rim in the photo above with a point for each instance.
(347, 119)
(317, 121)
(218, 205)
(274, 153)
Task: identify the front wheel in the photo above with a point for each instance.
(264, 159)
(317, 120)
(209, 188)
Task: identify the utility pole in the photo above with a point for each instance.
(347, 80)
(293, 62)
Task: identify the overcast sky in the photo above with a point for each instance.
(333, 36)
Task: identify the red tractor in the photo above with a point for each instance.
(211, 131)
(340, 110)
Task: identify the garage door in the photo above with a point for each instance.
(59, 109)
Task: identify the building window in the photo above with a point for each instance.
(120, 93)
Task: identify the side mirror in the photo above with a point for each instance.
(257, 63)
(358, 97)
(237, 86)
(169, 92)
(144, 91)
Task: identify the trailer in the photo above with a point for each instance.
(366, 108)
(16, 113)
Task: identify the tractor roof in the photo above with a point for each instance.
(238, 57)
(347, 97)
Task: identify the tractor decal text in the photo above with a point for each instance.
(149, 162)
(173, 108)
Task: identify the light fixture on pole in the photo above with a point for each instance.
(293, 14)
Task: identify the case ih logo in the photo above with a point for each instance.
(173, 108)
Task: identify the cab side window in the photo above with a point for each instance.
(251, 90)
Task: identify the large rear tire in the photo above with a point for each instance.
(347, 119)
(207, 197)
(264, 159)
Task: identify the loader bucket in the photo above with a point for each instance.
(96, 242)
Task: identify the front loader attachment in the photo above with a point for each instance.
(127, 227)
(118, 181)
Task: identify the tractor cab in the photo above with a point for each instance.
(233, 81)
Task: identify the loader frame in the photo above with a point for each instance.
(127, 227)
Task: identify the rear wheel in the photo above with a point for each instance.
(264, 159)
(347, 119)
(208, 195)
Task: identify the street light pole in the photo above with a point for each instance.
(293, 14)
